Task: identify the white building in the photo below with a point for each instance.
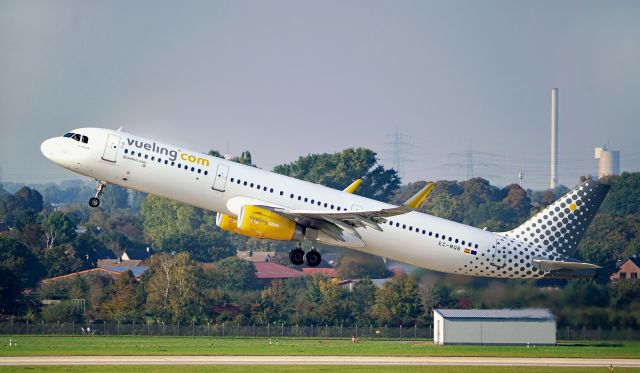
(491, 327)
(608, 161)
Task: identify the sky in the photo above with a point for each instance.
(284, 79)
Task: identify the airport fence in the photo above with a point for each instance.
(270, 330)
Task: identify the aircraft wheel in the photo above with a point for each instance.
(94, 202)
(296, 256)
(312, 258)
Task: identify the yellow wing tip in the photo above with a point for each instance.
(415, 201)
(352, 188)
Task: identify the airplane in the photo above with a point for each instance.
(257, 203)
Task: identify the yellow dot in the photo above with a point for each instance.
(573, 206)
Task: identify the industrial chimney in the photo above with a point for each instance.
(554, 138)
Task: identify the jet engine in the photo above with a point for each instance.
(258, 222)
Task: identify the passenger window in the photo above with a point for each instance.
(179, 165)
(192, 169)
(199, 170)
(271, 190)
(281, 193)
(232, 180)
(299, 198)
(126, 151)
(306, 199)
(206, 172)
(146, 156)
(85, 139)
(153, 157)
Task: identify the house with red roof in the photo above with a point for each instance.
(269, 271)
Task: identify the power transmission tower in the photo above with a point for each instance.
(399, 148)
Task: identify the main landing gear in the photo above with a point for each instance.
(95, 201)
(297, 256)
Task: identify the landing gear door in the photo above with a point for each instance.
(111, 148)
(499, 253)
(220, 182)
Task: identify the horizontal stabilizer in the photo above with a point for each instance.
(551, 265)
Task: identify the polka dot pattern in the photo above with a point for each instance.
(552, 234)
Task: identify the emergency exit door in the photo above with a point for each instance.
(220, 182)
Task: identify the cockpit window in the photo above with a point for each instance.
(85, 139)
(76, 137)
(68, 134)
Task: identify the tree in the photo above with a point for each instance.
(123, 304)
(232, 274)
(61, 260)
(172, 287)
(363, 298)
(174, 226)
(338, 170)
(19, 268)
(273, 306)
(89, 249)
(114, 197)
(398, 302)
(333, 308)
(359, 265)
(21, 208)
(59, 229)
(29, 199)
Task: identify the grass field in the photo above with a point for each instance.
(42, 345)
(303, 369)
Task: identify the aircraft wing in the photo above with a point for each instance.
(333, 223)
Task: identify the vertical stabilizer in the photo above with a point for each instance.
(559, 227)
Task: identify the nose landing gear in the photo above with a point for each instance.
(298, 257)
(95, 201)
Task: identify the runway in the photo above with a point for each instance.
(314, 360)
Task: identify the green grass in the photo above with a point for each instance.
(304, 369)
(43, 345)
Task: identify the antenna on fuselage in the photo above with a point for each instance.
(120, 129)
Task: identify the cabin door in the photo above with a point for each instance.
(111, 148)
(220, 182)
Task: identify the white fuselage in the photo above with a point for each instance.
(224, 186)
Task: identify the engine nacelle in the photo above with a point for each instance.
(228, 223)
(257, 222)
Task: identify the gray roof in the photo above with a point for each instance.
(526, 313)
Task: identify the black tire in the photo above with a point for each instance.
(296, 256)
(312, 258)
(94, 202)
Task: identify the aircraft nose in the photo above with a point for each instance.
(47, 148)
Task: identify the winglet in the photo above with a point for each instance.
(352, 188)
(415, 201)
